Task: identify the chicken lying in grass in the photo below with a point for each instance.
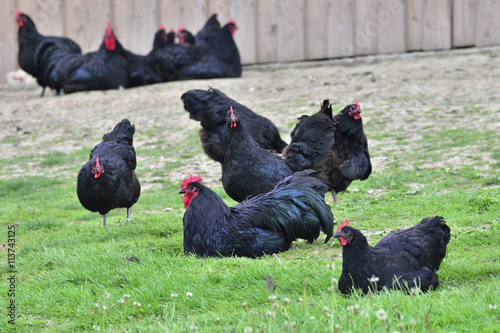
(108, 179)
(265, 224)
(406, 259)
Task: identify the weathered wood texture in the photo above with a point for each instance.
(268, 30)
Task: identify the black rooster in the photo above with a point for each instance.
(403, 260)
(210, 108)
(108, 179)
(335, 146)
(108, 68)
(265, 224)
(29, 40)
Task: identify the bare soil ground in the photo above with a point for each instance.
(397, 90)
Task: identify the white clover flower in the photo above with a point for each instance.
(189, 294)
(174, 295)
(248, 330)
(106, 295)
(271, 314)
(381, 314)
(286, 300)
(300, 300)
(374, 279)
(492, 306)
(136, 304)
(104, 308)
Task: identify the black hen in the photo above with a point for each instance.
(142, 71)
(210, 108)
(108, 179)
(403, 260)
(248, 169)
(170, 58)
(208, 33)
(335, 146)
(29, 40)
(265, 224)
(219, 57)
(108, 68)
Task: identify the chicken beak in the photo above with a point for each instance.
(182, 191)
(336, 235)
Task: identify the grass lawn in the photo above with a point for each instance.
(73, 275)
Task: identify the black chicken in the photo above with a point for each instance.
(335, 146)
(29, 40)
(208, 32)
(248, 169)
(142, 71)
(108, 68)
(170, 58)
(265, 224)
(210, 108)
(219, 57)
(108, 179)
(402, 260)
(185, 36)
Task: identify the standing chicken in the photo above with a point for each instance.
(108, 179)
(29, 40)
(248, 169)
(108, 68)
(336, 146)
(401, 260)
(265, 224)
(210, 108)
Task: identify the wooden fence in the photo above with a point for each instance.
(268, 30)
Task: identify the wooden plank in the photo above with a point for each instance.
(75, 21)
(488, 22)
(291, 46)
(193, 14)
(414, 25)
(244, 13)
(391, 26)
(437, 25)
(340, 28)
(464, 23)
(121, 18)
(168, 12)
(8, 39)
(144, 23)
(267, 31)
(98, 14)
(316, 29)
(365, 27)
(220, 7)
(52, 12)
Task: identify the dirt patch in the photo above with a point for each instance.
(459, 87)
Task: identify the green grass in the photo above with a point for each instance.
(74, 275)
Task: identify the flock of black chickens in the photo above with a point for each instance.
(280, 187)
(58, 62)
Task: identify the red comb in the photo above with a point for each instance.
(232, 21)
(232, 112)
(161, 27)
(343, 224)
(357, 104)
(97, 162)
(18, 13)
(182, 27)
(109, 28)
(171, 30)
(189, 180)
